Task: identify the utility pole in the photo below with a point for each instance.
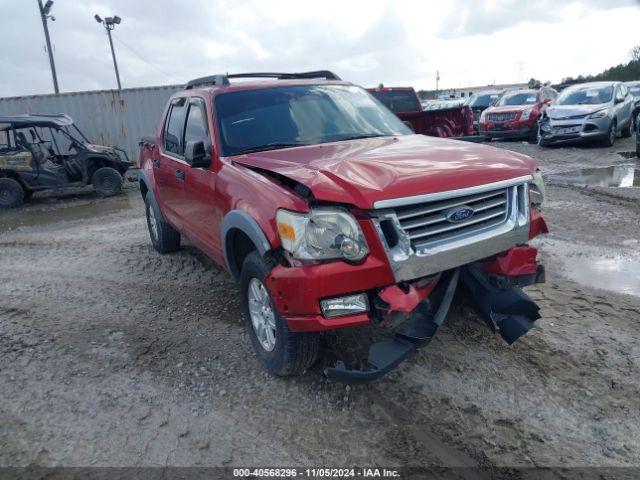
(437, 80)
(109, 24)
(44, 14)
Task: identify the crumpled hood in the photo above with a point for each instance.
(556, 112)
(361, 172)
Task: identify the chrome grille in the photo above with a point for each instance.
(427, 223)
(424, 234)
(501, 117)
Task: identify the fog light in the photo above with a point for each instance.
(339, 306)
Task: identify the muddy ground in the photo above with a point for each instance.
(112, 355)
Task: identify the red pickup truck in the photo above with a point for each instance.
(330, 213)
(453, 121)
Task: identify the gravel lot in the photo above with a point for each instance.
(112, 355)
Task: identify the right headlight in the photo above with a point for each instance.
(537, 191)
(321, 234)
(599, 114)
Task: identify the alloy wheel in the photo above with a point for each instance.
(262, 315)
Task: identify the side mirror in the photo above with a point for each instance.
(196, 155)
(408, 124)
(619, 100)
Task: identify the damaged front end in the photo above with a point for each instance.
(492, 288)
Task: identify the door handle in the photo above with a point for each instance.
(179, 174)
(156, 163)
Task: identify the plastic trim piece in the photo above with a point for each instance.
(240, 220)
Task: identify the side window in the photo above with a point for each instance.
(172, 138)
(196, 127)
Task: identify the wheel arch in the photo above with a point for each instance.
(146, 189)
(14, 176)
(241, 235)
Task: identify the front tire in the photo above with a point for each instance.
(107, 182)
(282, 352)
(628, 130)
(164, 238)
(610, 139)
(11, 193)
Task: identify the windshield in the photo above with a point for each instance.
(271, 118)
(482, 99)
(398, 101)
(585, 95)
(520, 97)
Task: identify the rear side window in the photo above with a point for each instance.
(398, 101)
(196, 126)
(172, 138)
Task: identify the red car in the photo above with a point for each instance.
(331, 213)
(516, 114)
(452, 121)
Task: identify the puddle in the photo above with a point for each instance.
(627, 154)
(595, 267)
(67, 209)
(614, 176)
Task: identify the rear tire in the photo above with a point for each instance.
(164, 238)
(107, 182)
(11, 193)
(290, 353)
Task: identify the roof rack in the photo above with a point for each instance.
(219, 80)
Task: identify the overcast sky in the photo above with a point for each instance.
(367, 42)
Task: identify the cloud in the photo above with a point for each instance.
(489, 17)
(401, 43)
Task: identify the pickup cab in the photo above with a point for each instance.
(454, 120)
(330, 213)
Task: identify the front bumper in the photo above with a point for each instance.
(570, 130)
(508, 129)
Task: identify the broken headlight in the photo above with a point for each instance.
(321, 234)
(537, 190)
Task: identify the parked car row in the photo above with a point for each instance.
(597, 111)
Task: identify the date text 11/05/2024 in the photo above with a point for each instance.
(316, 472)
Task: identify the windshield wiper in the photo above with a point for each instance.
(358, 137)
(268, 146)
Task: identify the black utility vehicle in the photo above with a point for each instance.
(43, 151)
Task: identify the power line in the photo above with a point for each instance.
(173, 79)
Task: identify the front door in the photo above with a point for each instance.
(199, 211)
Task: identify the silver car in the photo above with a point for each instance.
(589, 111)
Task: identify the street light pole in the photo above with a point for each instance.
(44, 14)
(113, 54)
(109, 24)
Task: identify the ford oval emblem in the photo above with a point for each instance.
(459, 214)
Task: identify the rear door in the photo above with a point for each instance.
(170, 167)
